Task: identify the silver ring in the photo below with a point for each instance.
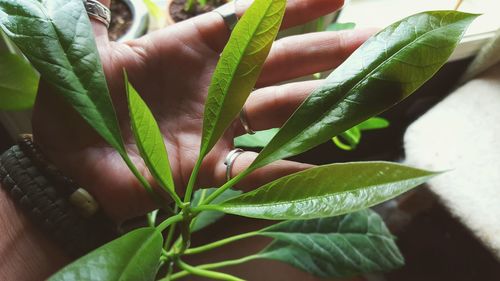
(228, 14)
(244, 121)
(229, 161)
(98, 11)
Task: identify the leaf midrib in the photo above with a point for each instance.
(298, 134)
(233, 74)
(316, 197)
(139, 250)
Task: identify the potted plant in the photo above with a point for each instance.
(326, 230)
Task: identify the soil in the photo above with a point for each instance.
(121, 19)
(179, 14)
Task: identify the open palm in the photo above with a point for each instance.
(172, 69)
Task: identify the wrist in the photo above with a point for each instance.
(25, 252)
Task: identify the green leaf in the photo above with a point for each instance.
(259, 139)
(351, 136)
(149, 140)
(350, 139)
(335, 247)
(132, 257)
(382, 72)
(239, 67)
(207, 218)
(57, 38)
(18, 83)
(373, 123)
(326, 191)
(154, 10)
(337, 26)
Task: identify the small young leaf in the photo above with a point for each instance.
(373, 123)
(382, 72)
(207, 218)
(132, 257)
(326, 191)
(337, 26)
(353, 135)
(335, 247)
(239, 67)
(18, 83)
(259, 139)
(149, 139)
(57, 38)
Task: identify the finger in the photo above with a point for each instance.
(270, 107)
(100, 29)
(301, 55)
(214, 32)
(260, 176)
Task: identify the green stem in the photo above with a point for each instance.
(206, 273)
(146, 184)
(192, 180)
(169, 221)
(225, 187)
(220, 243)
(209, 266)
(171, 232)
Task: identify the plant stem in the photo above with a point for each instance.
(169, 221)
(171, 232)
(220, 243)
(458, 4)
(146, 184)
(224, 187)
(206, 273)
(192, 180)
(208, 266)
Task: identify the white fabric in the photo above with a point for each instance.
(462, 134)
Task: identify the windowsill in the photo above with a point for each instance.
(381, 13)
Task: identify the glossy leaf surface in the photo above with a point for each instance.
(335, 247)
(382, 72)
(132, 257)
(18, 83)
(239, 67)
(326, 191)
(207, 218)
(149, 139)
(259, 139)
(57, 38)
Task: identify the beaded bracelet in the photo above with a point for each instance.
(67, 213)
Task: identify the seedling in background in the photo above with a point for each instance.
(326, 230)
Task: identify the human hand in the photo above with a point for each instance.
(172, 70)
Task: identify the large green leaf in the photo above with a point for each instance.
(132, 257)
(207, 218)
(239, 67)
(149, 140)
(335, 247)
(18, 83)
(325, 191)
(56, 37)
(257, 140)
(382, 72)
